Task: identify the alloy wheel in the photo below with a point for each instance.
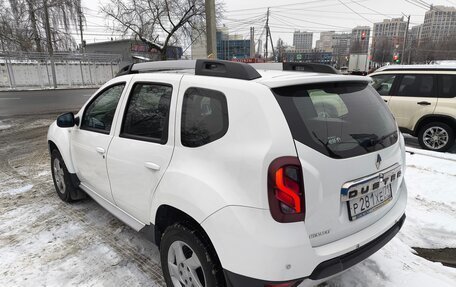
(59, 176)
(435, 137)
(184, 266)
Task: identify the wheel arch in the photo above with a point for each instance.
(434, 118)
(59, 138)
(167, 216)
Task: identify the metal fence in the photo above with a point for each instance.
(35, 70)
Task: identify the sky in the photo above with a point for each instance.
(286, 16)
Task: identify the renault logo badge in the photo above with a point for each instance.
(378, 162)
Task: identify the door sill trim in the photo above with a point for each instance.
(114, 210)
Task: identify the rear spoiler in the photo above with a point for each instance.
(294, 66)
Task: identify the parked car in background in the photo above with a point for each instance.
(242, 176)
(423, 101)
(344, 70)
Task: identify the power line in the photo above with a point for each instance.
(417, 4)
(355, 12)
(312, 22)
(379, 13)
(278, 6)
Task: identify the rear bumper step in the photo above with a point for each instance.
(343, 262)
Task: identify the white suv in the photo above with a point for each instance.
(423, 100)
(242, 177)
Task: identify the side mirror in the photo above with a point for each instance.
(67, 120)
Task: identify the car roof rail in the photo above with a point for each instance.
(157, 66)
(125, 70)
(294, 66)
(202, 67)
(226, 69)
(430, 67)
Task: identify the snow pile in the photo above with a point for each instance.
(19, 190)
(430, 223)
(4, 126)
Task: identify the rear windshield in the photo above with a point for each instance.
(340, 120)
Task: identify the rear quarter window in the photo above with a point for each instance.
(204, 117)
(447, 86)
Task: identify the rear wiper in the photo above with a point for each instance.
(381, 139)
(331, 153)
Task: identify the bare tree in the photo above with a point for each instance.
(428, 51)
(158, 23)
(382, 50)
(23, 24)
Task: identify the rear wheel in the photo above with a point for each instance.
(186, 261)
(436, 136)
(62, 181)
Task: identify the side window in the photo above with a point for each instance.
(204, 117)
(416, 86)
(448, 86)
(383, 84)
(99, 114)
(147, 113)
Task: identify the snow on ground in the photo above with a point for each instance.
(430, 223)
(45, 242)
(4, 126)
(19, 190)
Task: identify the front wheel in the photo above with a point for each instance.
(62, 181)
(186, 261)
(436, 136)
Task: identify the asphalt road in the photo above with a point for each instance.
(14, 103)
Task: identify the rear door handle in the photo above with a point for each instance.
(385, 101)
(152, 166)
(424, 103)
(100, 150)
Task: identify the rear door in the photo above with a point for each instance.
(341, 130)
(414, 97)
(142, 148)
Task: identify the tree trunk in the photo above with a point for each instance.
(163, 55)
(32, 16)
(49, 41)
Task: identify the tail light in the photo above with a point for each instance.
(286, 284)
(286, 190)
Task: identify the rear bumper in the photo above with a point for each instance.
(327, 268)
(343, 262)
(249, 242)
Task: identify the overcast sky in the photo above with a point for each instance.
(287, 16)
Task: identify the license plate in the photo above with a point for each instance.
(369, 202)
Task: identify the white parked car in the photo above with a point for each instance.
(241, 176)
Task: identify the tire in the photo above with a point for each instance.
(61, 177)
(178, 248)
(436, 136)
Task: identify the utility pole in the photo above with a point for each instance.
(272, 44)
(80, 27)
(49, 41)
(211, 29)
(405, 41)
(82, 42)
(267, 35)
(252, 42)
